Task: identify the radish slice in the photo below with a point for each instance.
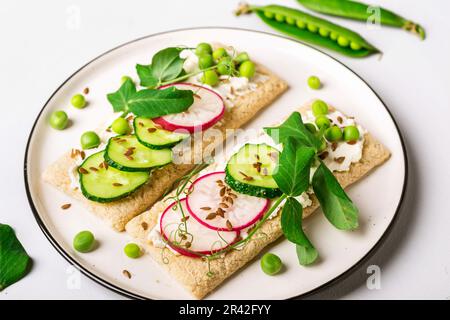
(209, 195)
(202, 240)
(208, 108)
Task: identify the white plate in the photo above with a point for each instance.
(378, 196)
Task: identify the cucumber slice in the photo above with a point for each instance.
(127, 154)
(249, 171)
(102, 183)
(153, 137)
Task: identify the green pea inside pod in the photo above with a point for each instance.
(343, 41)
(301, 24)
(279, 17)
(324, 32)
(312, 28)
(290, 20)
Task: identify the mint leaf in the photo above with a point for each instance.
(293, 127)
(292, 173)
(291, 223)
(119, 99)
(167, 64)
(146, 76)
(152, 103)
(306, 255)
(14, 260)
(336, 205)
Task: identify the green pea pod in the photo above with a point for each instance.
(361, 11)
(311, 29)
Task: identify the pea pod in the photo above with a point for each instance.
(311, 29)
(361, 11)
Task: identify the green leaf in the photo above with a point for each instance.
(291, 223)
(306, 255)
(13, 258)
(152, 103)
(167, 64)
(292, 174)
(146, 76)
(119, 99)
(336, 205)
(293, 127)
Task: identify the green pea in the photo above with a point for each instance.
(269, 14)
(351, 133)
(271, 264)
(241, 57)
(210, 77)
(89, 140)
(300, 24)
(120, 126)
(322, 121)
(342, 41)
(59, 120)
(314, 82)
(225, 66)
(219, 54)
(205, 61)
(203, 48)
(124, 79)
(355, 46)
(247, 69)
(333, 134)
(78, 101)
(312, 27)
(319, 108)
(279, 17)
(324, 32)
(290, 20)
(311, 127)
(132, 250)
(334, 35)
(83, 241)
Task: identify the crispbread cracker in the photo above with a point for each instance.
(118, 213)
(192, 272)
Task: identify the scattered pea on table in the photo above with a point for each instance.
(83, 241)
(59, 120)
(78, 101)
(121, 126)
(271, 264)
(89, 140)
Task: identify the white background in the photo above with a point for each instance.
(41, 45)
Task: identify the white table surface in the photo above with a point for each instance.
(42, 44)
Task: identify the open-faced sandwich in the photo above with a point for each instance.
(219, 218)
(128, 164)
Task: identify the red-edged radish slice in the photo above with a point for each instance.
(208, 108)
(203, 240)
(209, 191)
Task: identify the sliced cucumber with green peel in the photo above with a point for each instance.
(126, 153)
(155, 137)
(102, 183)
(249, 171)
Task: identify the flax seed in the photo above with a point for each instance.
(127, 274)
(151, 130)
(116, 184)
(144, 225)
(66, 206)
(83, 170)
(229, 225)
(211, 216)
(205, 208)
